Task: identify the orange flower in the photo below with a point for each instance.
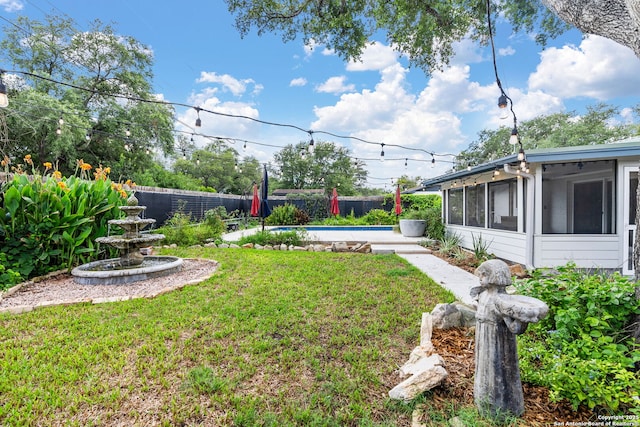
(6, 161)
(85, 166)
(47, 165)
(57, 174)
(107, 170)
(62, 185)
(27, 159)
(123, 194)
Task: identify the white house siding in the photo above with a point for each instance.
(507, 245)
(587, 251)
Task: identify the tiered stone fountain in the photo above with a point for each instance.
(132, 266)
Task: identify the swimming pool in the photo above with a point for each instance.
(335, 228)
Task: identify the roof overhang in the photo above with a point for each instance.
(622, 149)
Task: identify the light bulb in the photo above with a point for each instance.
(513, 139)
(4, 99)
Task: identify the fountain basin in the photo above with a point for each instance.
(110, 271)
(121, 242)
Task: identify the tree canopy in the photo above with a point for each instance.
(596, 126)
(328, 166)
(425, 31)
(83, 97)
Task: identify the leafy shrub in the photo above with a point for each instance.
(214, 219)
(301, 217)
(50, 223)
(282, 215)
(449, 243)
(481, 248)
(417, 202)
(415, 214)
(180, 230)
(8, 277)
(435, 227)
(581, 350)
(378, 217)
(266, 237)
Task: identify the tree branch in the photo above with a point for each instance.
(612, 19)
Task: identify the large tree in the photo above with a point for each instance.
(98, 82)
(426, 30)
(596, 126)
(326, 167)
(217, 167)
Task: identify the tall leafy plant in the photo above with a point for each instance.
(49, 223)
(582, 350)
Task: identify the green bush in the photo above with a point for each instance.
(287, 214)
(378, 217)
(214, 220)
(266, 237)
(582, 351)
(180, 229)
(435, 227)
(8, 277)
(51, 223)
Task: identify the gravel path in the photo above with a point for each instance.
(60, 288)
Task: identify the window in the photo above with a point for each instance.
(503, 205)
(578, 198)
(475, 210)
(454, 214)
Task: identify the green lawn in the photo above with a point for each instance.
(273, 338)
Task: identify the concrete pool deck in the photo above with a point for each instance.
(455, 279)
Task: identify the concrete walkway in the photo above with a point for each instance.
(455, 279)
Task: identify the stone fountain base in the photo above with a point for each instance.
(110, 271)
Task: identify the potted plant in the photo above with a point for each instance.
(413, 223)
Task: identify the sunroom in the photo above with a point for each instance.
(571, 204)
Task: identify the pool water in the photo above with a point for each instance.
(336, 228)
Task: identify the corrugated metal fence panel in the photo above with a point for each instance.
(163, 203)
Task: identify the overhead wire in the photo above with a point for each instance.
(223, 114)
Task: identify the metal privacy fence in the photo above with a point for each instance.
(163, 203)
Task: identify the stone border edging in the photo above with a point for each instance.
(19, 309)
(333, 247)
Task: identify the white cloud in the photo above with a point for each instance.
(506, 51)
(375, 57)
(335, 85)
(300, 81)
(230, 83)
(599, 68)
(219, 124)
(11, 5)
(309, 48)
(390, 114)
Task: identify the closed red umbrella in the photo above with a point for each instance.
(398, 206)
(255, 202)
(335, 209)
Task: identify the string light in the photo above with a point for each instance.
(311, 143)
(198, 121)
(504, 100)
(4, 99)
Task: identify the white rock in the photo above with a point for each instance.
(427, 374)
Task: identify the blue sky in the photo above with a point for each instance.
(201, 60)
